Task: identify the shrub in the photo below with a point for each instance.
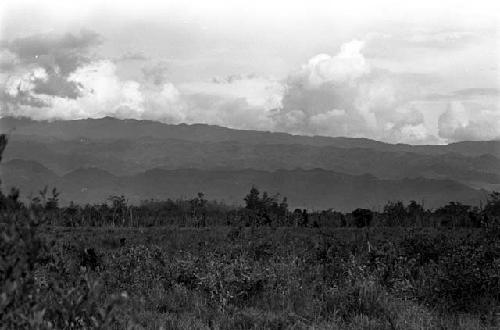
(20, 248)
(56, 295)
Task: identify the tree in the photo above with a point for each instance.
(53, 200)
(283, 207)
(198, 209)
(305, 218)
(415, 212)
(252, 200)
(119, 206)
(13, 198)
(43, 195)
(475, 216)
(395, 213)
(491, 211)
(492, 207)
(362, 217)
(454, 214)
(3, 144)
(266, 209)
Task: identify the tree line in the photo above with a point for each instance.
(259, 209)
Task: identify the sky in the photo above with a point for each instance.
(419, 72)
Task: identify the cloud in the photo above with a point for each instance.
(463, 121)
(102, 93)
(58, 55)
(340, 95)
(471, 92)
(132, 56)
(98, 89)
(244, 101)
(427, 42)
(228, 112)
(18, 88)
(464, 94)
(62, 53)
(343, 95)
(256, 91)
(8, 60)
(156, 73)
(348, 65)
(164, 103)
(440, 39)
(56, 77)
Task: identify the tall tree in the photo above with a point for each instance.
(252, 200)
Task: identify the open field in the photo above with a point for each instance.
(230, 277)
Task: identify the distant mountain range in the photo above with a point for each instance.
(130, 129)
(88, 160)
(315, 189)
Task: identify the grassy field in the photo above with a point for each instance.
(270, 278)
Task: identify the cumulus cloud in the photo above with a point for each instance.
(339, 95)
(236, 101)
(228, 112)
(8, 60)
(348, 65)
(462, 121)
(157, 72)
(55, 77)
(58, 55)
(164, 103)
(102, 93)
(18, 88)
(257, 91)
(343, 95)
(62, 53)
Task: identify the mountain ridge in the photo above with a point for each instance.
(313, 188)
(123, 157)
(109, 127)
(91, 159)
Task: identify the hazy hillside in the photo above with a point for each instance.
(111, 128)
(315, 188)
(125, 157)
(88, 160)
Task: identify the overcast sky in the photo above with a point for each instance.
(416, 72)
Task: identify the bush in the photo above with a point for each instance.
(466, 278)
(20, 300)
(35, 290)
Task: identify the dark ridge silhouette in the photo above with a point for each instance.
(313, 189)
